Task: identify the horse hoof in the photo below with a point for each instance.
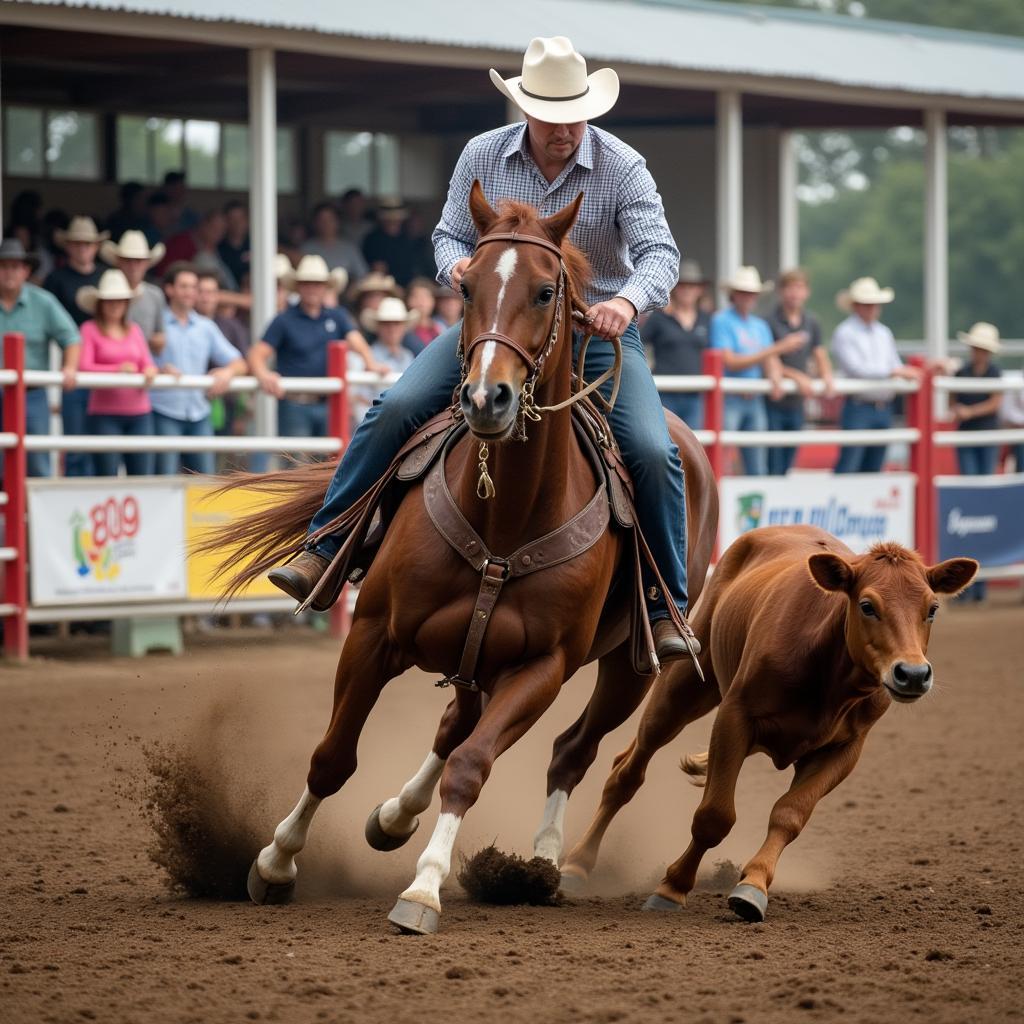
(414, 918)
(656, 902)
(572, 884)
(381, 840)
(263, 892)
(748, 902)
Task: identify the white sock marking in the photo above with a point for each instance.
(276, 862)
(547, 843)
(505, 268)
(398, 815)
(433, 866)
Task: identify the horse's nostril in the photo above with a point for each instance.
(502, 398)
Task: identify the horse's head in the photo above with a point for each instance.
(515, 292)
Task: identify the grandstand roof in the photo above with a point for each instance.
(653, 40)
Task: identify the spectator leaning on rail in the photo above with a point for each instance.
(749, 351)
(390, 323)
(81, 242)
(1012, 415)
(194, 344)
(298, 339)
(864, 349)
(791, 318)
(677, 337)
(134, 257)
(547, 161)
(113, 343)
(36, 314)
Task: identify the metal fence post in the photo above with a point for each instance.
(338, 426)
(14, 511)
(714, 410)
(921, 415)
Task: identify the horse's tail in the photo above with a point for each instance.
(247, 547)
(696, 767)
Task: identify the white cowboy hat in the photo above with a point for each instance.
(390, 311)
(746, 279)
(555, 87)
(113, 285)
(282, 265)
(376, 282)
(981, 335)
(392, 206)
(864, 291)
(81, 229)
(312, 269)
(133, 246)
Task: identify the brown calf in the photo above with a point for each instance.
(805, 647)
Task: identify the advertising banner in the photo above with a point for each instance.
(105, 541)
(982, 518)
(858, 509)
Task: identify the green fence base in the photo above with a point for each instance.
(134, 638)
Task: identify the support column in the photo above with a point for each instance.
(789, 208)
(263, 208)
(936, 236)
(729, 182)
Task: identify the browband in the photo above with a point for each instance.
(515, 236)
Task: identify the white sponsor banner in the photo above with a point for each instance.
(858, 509)
(106, 540)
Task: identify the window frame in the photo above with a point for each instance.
(43, 142)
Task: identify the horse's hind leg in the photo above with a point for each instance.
(393, 822)
(617, 694)
(364, 668)
(679, 697)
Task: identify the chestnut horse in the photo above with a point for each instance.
(416, 602)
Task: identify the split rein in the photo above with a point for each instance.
(528, 410)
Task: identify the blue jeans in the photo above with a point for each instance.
(637, 419)
(743, 413)
(1018, 458)
(111, 425)
(858, 415)
(75, 416)
(783, 417)
(689, 408)
(37, 421)
(977, 461)
(294, 419)
(169, 463)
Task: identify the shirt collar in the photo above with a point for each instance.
(518, 142)
(172, 318)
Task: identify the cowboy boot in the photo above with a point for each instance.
(671, 645)
(298, 578)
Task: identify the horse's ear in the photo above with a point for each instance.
(559, 224)
(480, 210)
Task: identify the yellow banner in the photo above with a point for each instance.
(201, 513)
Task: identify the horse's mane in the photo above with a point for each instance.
(514, 216)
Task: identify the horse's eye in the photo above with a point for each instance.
(545, 296)
(932, 613)
(868, 609)
(465, 291)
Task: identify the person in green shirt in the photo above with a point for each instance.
(37, 315)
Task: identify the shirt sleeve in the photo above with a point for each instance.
(222, 351)
(720, 333)
(60, 327)
(894, 357)
(640, 216)
(346, 325)
(455, 234)
(275, 332)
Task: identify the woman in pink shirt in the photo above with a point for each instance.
(111, 343)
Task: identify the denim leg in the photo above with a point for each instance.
(292, 420)
(75, 416)
(782, 417)
(167, 463)
(967, 461)
(755, 460)
(421, 392)
(37, 421)
(853, 417)
(198, 462)
(1018, 458)
(874, 456)
(139, 463)
(652, 458)
(105, 463)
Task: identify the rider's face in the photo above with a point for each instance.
(555, 142)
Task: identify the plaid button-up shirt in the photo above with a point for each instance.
(621, 227)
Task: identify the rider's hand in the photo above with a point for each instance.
(610, 319)
(457, 271)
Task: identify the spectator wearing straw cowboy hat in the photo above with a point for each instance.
(134, 257)
(863, 348)
(113, 343)
(36, 314)
(975, 410)
(298, 338)
(80, 242)
(391, 322)
(547, 161)
(677, 337)
(749, 351)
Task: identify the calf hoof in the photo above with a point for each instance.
(748, 902)
(263, 892)
(656, 902)
(414, 918)
(381, 840)
(572, 884)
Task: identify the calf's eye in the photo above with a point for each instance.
(868, 609)
(931, 613)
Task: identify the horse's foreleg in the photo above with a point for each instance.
(364, 668)
(516, 702)
(393, 822)
(617, 694)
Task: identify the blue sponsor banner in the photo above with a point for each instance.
(982, 518)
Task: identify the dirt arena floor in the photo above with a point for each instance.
(901, 901)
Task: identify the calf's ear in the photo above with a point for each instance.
(951, 576)
(831, 572)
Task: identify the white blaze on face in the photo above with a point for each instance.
(505, 268)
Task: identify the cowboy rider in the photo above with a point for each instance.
(547, 161)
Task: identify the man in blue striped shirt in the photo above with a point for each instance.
(546, 162)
